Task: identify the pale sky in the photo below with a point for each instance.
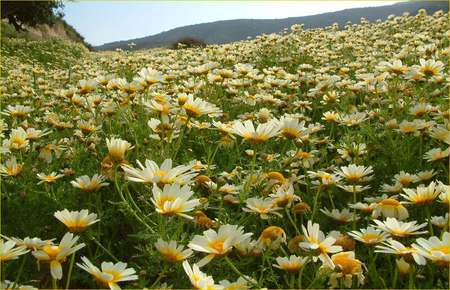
(102, 22)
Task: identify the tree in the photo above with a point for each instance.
(188, 42)
(30, 13)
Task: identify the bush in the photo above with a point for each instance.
(188, 42)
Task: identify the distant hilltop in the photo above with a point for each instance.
(226, 31)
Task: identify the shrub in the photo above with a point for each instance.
(188, 42)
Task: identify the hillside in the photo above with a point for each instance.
(59, 30)
(234, 30)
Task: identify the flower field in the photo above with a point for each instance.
(304, 159)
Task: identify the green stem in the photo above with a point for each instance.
(300, 276)
(292, 281)
(233, 267)
(313, 281)
(331, 199)
(411, 278)
(103, 248)
(180, 138)
(430, 225)
(246, 189)
(315, 205)
(133, 203)
(394, 280)
(119, 190)
(211, 158)
(69, 275)
(20, 271)
(291, 220)
(54, 285)
(160, 276)
(354, 209)
(2, 271)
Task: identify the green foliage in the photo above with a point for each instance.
(29, 13)
(48, 53)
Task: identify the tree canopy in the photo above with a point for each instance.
(30, 13)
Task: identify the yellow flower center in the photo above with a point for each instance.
(217, 245)
(256, 139)
(18, 141)
(160, 173)
(290, 133)
(261, 209)
(422, 199)
(371, 238)
(428, 70)
(76, 225)
(191, 110)
(444, 249)
(49, 178)
(18, 114)
(389, 202)
(165, 199)
(304, 155)
(51, 251)
(408, 129)
(291, 267)
(116, 275)
(172, 255)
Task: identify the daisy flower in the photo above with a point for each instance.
(343, 216)
(422, 194)
(76, 221)
(400, 229)
(57, 254)
(347, 267)
(29, 243)
(49, 178)
(290, 264)
(18, 139)
(196, 107)
(369, 236)
(444, 196)
(241, 283)
(435, 249)
(9, 285)
(315, 240)
(171, 251)
(355, 173)
(436, 154)
(389, 207)
(174, 199)
(9, 250)
(17, 111)
(110, 273)
(441, 221)
(292, 128)
(394, 247)
(199, 280)
(217, 243)
(117, 148)
(284, 195)
(161, 175)
(430, 67)
(259, 135)
(272, 237)
(11, 167)
(262, 206)
(89, 184)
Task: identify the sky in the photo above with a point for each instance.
(102, 22)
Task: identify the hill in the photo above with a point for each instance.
(59, 30)
(234, 30)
